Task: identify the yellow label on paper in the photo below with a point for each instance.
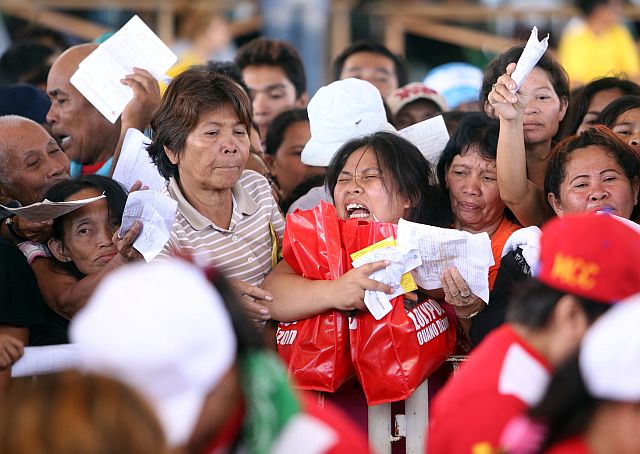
(407, 283)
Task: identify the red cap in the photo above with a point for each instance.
(595, 256)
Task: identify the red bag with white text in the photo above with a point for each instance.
(316, 349)
(394, 355)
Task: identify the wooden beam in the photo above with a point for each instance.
(340, 26)
(478, 13)
(57, 21)
(457, 35)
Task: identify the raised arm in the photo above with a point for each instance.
(137, 114)
(520, 194)
(296, 297)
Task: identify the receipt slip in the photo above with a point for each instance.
(396, 274)
(530, 57)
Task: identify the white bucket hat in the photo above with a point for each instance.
(609, 353)
(343, 110)
(163, 329)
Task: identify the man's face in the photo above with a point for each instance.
(84, 133)
(374, 68)
(34, 162)
(271, 93)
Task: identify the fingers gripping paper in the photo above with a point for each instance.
(98, 76)
(443, 248)
(531, 55)
(156, 212)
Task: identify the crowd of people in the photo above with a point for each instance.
(179, 355)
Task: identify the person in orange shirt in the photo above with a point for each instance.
(467, 175)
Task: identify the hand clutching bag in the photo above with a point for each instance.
(394, 355)
(316, 349)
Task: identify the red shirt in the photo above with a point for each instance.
(501, 378)
(575, 445)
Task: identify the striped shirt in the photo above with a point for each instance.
(243, 251)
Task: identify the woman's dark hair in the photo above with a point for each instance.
(533, 303)
(497, 66)
(610, 114)
(599, 135)
(374, 48)
(475, 128)
(581, 98)
(115, 194)
(404, 170)
(567, 406)
(229, 69)
(278, 127)
(196, 90)
(301, 189)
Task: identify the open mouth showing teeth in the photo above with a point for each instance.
(355, 210)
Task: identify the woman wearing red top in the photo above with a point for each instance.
(592, 404)
(467, 174)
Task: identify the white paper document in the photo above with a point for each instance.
(157, 213)
(46, 210)
(379, 303)
(98, 76)
(46, 360)
(135, 164)
(429, 136)
(443, 248)
(531, 55)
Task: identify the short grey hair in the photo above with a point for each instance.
(8, 122)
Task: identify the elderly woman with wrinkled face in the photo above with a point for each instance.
(226, 215)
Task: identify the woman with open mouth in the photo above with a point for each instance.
(380, 177)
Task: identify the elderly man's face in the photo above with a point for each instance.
(34, 162)
(84, 133)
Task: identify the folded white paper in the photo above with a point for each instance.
(133, 46)
(157, 213)
(134, 163)
(429, 136)
(530, 57)
(379, 303)
(47, 210)
(443, 248)
(46, 360)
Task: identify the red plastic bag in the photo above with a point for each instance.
(394, 355)
(316, 350)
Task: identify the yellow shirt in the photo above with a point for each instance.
(587, 56)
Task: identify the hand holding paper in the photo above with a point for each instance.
(443, 248)
(396, 274)
(157, 213)
(530, 57)
(99, 75)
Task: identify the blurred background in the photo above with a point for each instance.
(426, 33)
